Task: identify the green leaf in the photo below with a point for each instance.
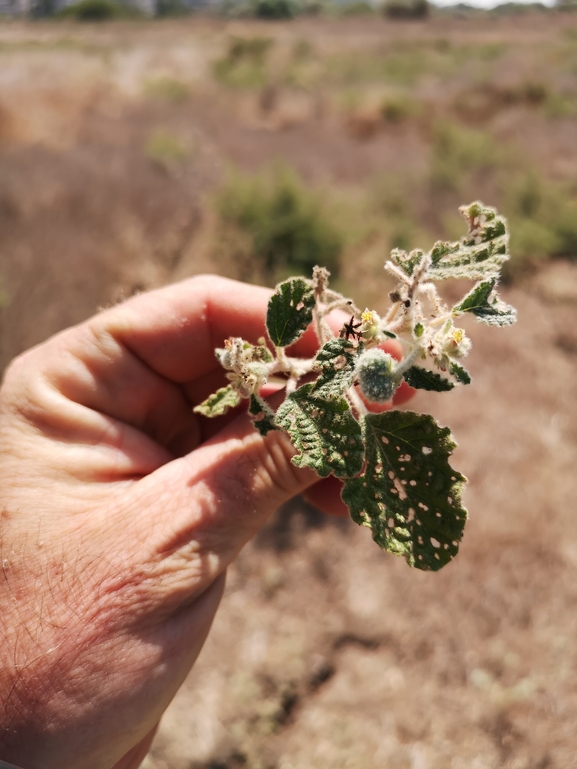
(477, 297)
(460, 373)
(480, 254)
(423, 379)
(407, 262)
(219, 402)
(323, 431)
(408, 494)
(483, 302)
(290, 311)
(263, 416)
(336, 362)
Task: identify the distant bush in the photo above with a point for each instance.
(356, 8)
(543, 216)
(287, 224)
(164, 148)
(516, 8)
(275, 9)
(97, 10)
(393, 199)
(167, 88)
(457, 152)
(560, 105)
(170, 8)
(41, 8)
(269, 9)
(314, 7)
(399, 107)
(406, 9)
(243, 65)
(480, 102)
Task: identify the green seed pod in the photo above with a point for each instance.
(375, 371)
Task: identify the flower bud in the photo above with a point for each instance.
(375, 371)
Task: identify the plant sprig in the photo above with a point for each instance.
(395, 468)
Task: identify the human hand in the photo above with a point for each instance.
(120, 510)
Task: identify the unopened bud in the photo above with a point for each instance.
(375, 371)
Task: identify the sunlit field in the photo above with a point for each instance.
(136, 153)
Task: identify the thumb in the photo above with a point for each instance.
(200, 510)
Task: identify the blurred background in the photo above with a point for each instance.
(142, 143)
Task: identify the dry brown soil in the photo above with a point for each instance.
(326, 653)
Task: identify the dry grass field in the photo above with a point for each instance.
(133, 154)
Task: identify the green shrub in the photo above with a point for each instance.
(399, 107)
(356, 8)
(165, 149)
(543, 217)
(269, 9)
(286, 222)
(559, 105)
(402, 63)
(170, 8)
(97, 10)
(275, 9)
(392, 199)
(400, 67)
(406, 9)
(243, 65)
(482, 101)
(167, 88)
(456, 152)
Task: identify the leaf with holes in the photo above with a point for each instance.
(290, 311)
(323, 431)
(336, 363)
(423, 379)
(262, 415)
(219, 402)
(408, 493)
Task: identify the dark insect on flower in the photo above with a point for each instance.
(350, 329)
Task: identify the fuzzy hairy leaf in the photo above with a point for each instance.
(336, 362)
(483, 302)
(480, 254)
(219, 402)
(423, 379)
(460, 373)
(406, 261)
(290, 311)
(408, 493)
(263, 416)
(323, 431)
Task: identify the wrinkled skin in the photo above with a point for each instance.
(120, 511)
